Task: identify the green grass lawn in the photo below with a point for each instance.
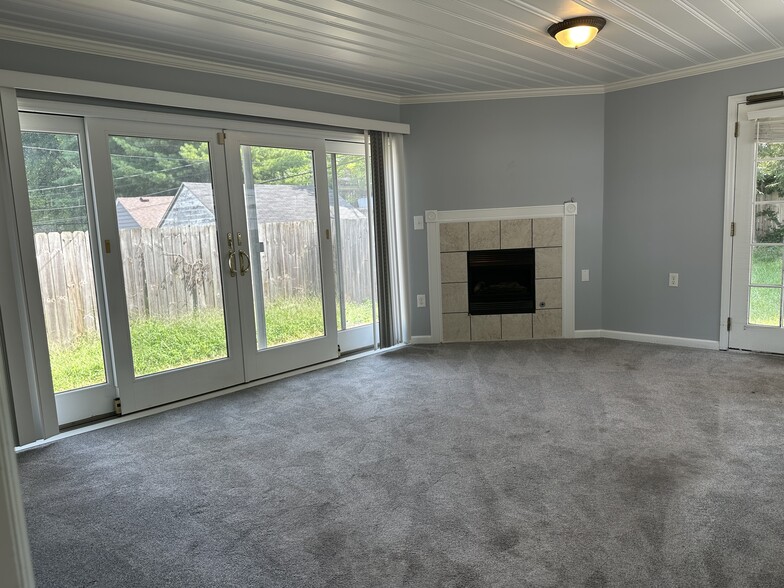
(766, 269)
(164, 344)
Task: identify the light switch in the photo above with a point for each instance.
(419, 223)
(585, 276)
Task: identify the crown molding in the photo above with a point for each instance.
(686, 72)
(503, 94)
(58, 41)
(696, 70)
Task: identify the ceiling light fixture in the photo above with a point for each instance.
(576, 32)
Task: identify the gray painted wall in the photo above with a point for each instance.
(665, 150)
(520, 152)
(645, 165)
(70, 64)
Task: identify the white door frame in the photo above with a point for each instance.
(733, 103)
(29, 371)
(15, 558)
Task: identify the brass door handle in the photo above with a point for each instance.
(232, 261)
(232, 264)
(243, 260)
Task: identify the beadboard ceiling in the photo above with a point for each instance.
(408, 51)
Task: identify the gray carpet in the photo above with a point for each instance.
(539, 463)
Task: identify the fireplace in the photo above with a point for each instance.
(501, 281)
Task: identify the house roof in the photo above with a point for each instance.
(144, 211)
(274, 203)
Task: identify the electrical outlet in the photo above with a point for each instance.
(586, 276)
(673, 280)
(419, 223)
(421, 301)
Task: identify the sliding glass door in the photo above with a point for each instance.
(62, 219)
(349, 207)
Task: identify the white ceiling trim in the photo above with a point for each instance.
(56, 41)
(504, 94)
(695, 70)
(685, 72)
(68, 43)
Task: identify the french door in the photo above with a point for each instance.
(175, 260)
(756, 303)
(171, 289)
(279, 196)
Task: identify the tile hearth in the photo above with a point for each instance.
(545, 235)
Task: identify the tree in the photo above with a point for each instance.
(54, 182)
(770, 188)
(351, 173)
(155, 167)
(271, 165)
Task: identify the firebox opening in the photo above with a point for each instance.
(501, 281)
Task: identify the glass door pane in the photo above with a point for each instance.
(350, 222)
(165, 210)
(767, 247)
(61, 229)
(283, 244)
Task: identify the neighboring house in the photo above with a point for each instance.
(194, 205)
(144, 212)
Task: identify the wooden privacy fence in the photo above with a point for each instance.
(175, 271)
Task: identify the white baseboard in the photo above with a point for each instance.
(423, 340)
(620, 335)
(588, 334)
(661, 339)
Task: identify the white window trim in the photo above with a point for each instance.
(76, 87)
(434, 218)
(131, 114)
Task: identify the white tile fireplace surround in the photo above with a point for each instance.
(549, 230)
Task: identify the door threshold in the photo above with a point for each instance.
(88, 421)
(110, 420)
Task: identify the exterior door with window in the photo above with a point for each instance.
(171, 263)
(756, 303)
(279, 199)
(169, 257)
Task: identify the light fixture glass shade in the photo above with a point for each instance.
(576, 36)
(576, 32)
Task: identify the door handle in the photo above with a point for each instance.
(244, 259)
(231, 260)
